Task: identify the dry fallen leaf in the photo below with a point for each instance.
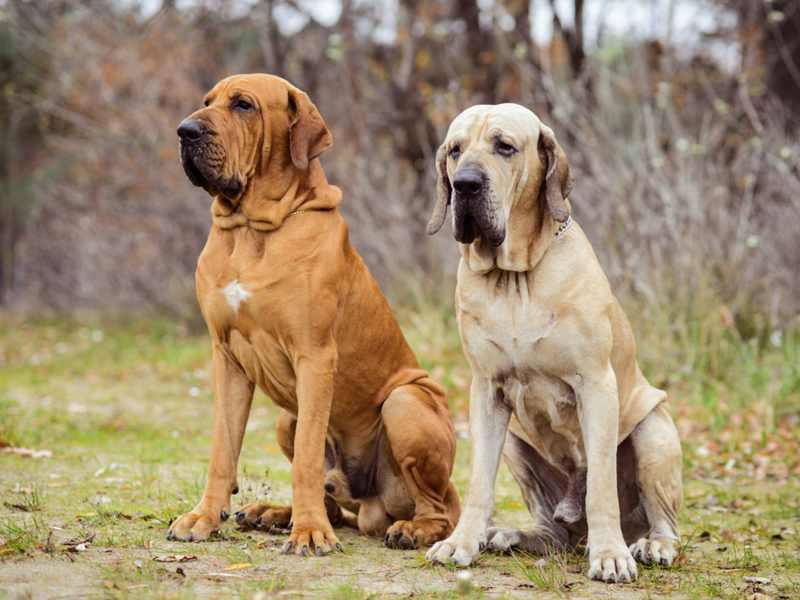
(47, 545)
(238, 566)
(76, 543)
(759, 580)
(178, 558)
(27, 452)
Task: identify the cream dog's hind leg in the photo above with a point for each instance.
(658, 474)
(543, 487)
(648, 487)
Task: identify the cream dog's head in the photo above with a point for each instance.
(497, 161)
(253, 127)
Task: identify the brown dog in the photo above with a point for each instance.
(292, 308)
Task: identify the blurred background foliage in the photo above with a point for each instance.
(681, 132)
(680, 121)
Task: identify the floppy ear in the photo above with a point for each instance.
(443, 192)
(308, 135)
(558, 178)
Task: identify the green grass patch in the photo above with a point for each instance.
(115, 419)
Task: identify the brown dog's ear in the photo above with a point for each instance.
(443, 192)
(308, 135)
(558, 180)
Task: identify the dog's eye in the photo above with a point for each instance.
(505, 149)
(243, 105)
(455, 152)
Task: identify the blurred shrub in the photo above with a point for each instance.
(686, 174)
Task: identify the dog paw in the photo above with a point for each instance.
(263, 516)
(502, 539)
(198, 525)
(399, 539)
(612, 565)
(657, 552)
(406, 535)
(461, 549)
(304, 541)
(538, 541)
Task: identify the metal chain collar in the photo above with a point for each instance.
(563, 228)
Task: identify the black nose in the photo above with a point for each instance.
(191, 130)
(468, 182)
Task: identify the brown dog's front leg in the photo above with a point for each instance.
(233, 395)
(312, 531)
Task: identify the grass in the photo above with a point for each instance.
(125, 410)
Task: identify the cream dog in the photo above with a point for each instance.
(590, 442)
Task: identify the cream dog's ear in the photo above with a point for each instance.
(443, 192)
(308, 135)
(558, 178)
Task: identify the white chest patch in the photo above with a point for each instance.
(235, 294)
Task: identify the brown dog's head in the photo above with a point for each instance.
(251, 125)
(497, 160)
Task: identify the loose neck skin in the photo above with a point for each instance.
(530, 229)
(268, 199)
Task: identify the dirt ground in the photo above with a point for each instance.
(101, 450)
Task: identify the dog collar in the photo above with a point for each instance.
(300, 212)
(561, 229)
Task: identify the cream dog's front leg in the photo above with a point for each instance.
(598, 411)
(489, 415)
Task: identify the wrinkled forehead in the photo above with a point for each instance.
(268, 89)
(488, 122)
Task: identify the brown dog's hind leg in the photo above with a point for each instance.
(658, 475)
(422, 439)
(259, 515)
(264, 516)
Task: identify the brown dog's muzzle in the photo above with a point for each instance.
(202, 159)
(191, 130)
(473, 208)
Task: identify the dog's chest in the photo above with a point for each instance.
(547, 410)
(512, 340)
(238, 288)
(230, 276)
(503, 329)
